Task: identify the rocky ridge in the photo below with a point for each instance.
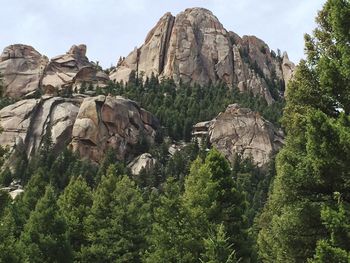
(195, 48)
(90, 126)
(25, 71)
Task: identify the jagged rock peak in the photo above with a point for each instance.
(73, 70)
(195, 48)
(25, 71)
(79, 50)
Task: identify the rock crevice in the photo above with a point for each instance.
(90, 126)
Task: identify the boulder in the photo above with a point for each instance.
(240, 131)
(22, 68)
(144, 161)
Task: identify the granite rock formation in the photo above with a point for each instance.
(72, 69)
(22, 68)
(90, 125)
(144, 161)
(195, 48)
(105, 122)
(25, 71)
(240, 131)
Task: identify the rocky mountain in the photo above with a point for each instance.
(192, 48)
(195, 48)
(241, 131)
(25, 71)
(90, 126)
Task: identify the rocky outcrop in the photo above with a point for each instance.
(195, 48)
(25, 71)
(90, 126)
(144, 162)
(288, 68)
(22, 68)
(28, 121)
(73, 70)
(106, 122)
(240, 131)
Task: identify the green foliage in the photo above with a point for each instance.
(171, 239)
(335, 247)
(119, 216)
(75, 204)
(8, 250)
(6, 177)
(217, 248)
(45, 236)
(179, 108)
(301, 218)
(4, 201)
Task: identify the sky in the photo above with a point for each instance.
(113, 28)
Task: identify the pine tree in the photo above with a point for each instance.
(8, 249)
(118, 221)
(314, 163)
(25, 204)
(211, 197)
(171, 239)
(75, 204)
(5, 200)
(335, 247)
(217, 248)
(45, 237)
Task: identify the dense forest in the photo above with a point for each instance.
(193, 205)
(180, 107)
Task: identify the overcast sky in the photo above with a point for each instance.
(112, 28)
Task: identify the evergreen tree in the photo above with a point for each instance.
(8, 250)
(314, 163)
(171, 239)
(5, 200)
(335, 247)
(25, 204)
(45, 237)
(119, 216)
(75, 204)
(217, 248)
(212, 197)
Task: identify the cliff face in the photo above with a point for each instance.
(195, 48)
(25, 71)
(89, 125)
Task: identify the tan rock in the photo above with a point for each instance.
(144, 161)
(199, 49)
(195, 48)
(288, 69)
(22, 68)
(74, 70)
(105, 122)
(240, 131)
(28, 121)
